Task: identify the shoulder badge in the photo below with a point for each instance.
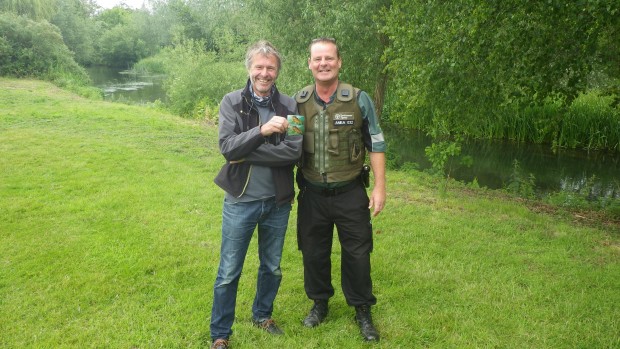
(304, 95)
(344, 92)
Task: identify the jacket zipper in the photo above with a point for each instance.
(322, 143)
(247, 180)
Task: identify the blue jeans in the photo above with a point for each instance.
(238, 223)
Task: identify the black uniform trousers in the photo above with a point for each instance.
(318, 213)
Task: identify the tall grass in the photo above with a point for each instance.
(110, 231)
(152, 65)
(76, 83)
(590, 122)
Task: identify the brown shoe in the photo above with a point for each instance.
(268, 325)
(220, 344)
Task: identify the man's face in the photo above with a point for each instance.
(263, 73)
(324, 62)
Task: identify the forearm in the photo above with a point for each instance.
(238, 146)
(377, 163)
(285, 153)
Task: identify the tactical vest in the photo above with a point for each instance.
(333, 149)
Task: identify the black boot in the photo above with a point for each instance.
(364, 320)
(317, 314)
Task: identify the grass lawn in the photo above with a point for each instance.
(110, 229)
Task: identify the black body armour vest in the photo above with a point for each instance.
(333, 149)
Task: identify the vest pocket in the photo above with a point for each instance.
(333, 142)
(355, 146)
(308, 142)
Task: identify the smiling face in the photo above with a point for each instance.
(324, 62)
(263, 73)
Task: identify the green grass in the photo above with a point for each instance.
(110, 229)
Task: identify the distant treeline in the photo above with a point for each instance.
(533, 71)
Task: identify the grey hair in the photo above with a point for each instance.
(265, 48)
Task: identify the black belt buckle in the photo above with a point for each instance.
(330, 191)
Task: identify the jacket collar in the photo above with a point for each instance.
(247, 94)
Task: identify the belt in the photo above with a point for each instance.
(332, 191)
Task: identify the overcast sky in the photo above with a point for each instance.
(112, 3)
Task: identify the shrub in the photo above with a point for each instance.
(196, 80)
(521, 184)
(35, 49)
(151, 65)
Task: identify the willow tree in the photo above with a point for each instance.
(75, 20)
(35, 49)
(33, 9)
(457, 63)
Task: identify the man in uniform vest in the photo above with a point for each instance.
(340, 126)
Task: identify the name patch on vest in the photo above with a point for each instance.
(344, 119)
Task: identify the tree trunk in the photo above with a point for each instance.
(379, 94)
(382, 79)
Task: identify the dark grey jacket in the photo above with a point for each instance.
(242, 144)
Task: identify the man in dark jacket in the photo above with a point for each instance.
(258, 181)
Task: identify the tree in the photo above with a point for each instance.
(35, 49)
(79, 30)
(458, 63)
(120, 47)
(184, 20)
(113, 17)
(34, 9)
(128, 35)
(230, 26)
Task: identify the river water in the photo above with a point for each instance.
(493, 164)
(125, 86)
(493, 161)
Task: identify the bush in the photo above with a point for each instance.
(36, 49)
(121, 47)
(196, 80)
(151, 65)
(521, 184)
